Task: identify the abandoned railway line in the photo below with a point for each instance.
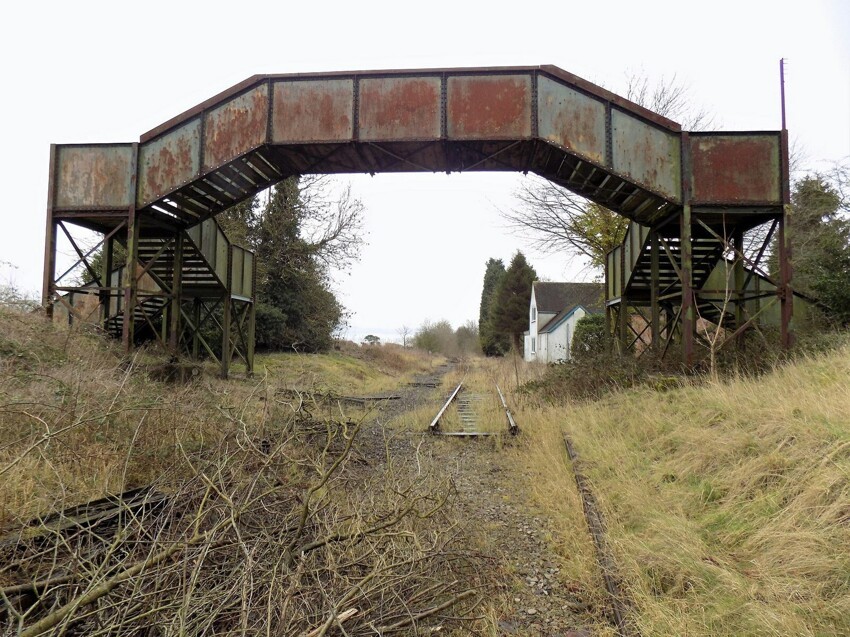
(468, 412)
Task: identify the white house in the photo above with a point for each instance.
(552, 316)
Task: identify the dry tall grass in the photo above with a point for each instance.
(266, 518)
(728, 504)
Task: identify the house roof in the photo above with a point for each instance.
(555, 297)
(564, 298)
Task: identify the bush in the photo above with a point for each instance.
(270, 327)
(591, 337)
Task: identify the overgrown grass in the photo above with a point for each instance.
(353, 370)
(728, 503)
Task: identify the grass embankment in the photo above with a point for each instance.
(77, 420)
(353, 370)
(268, 518)
(728, 504)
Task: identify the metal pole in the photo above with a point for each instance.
(654, 288)
(688, 315)
(738, 243)
(130, 281)
(624, 314)
(225, 324)
(49, 281)
(176, 295)
(782, 88)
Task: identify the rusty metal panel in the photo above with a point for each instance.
(571, 119)
(236, 127)
(236, 271)
(97, 176)
(736, 168)
(222, 245)
(167, 162)
(489, 107)
(313, 111)
(248, 275)
(399, 108)
(646, 154)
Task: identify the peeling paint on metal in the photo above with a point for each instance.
(399, 109)
(571, 119)
(646, 154)
(236, 127)
(736, 168)
(167, 162)
(313, 111)
(489, 107)
(93, 176)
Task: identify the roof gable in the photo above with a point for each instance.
(556, 297)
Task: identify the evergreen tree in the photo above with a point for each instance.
(491, 344)
(820, 237)
(511, 301)
(293, 285)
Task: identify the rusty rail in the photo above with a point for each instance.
(434, 427)
(596, 525)
(512, 426)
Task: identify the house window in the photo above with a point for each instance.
(533, 314)
(533, 345)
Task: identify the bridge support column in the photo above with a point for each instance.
(786, 296)
(738, 277)
(130, 282)
(623, 316)
(176, 300)
(655, 286)
(226, 350)
(688, 310)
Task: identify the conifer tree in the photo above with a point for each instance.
(491, 344)
(509, 312)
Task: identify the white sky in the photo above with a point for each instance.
(108, 71)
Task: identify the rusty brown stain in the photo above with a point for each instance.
(93, 176)
(313, 111)
(168, 162)
(400, 108)
(236, 127)
(736, 169)
(489, 107)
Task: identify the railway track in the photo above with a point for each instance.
(619, 603)
(468, 410)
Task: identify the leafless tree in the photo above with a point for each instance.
(333, 221)
(404, 331)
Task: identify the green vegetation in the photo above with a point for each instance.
(441, 338)
(820, 235)
(726, 503)
(492, 343)
(300, 235)
(511, 300)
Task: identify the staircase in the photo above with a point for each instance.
(629, 278)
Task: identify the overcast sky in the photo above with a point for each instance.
(109, 71)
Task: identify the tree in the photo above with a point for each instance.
(404, 331)
(436, 337)
(820, 235)
(511, 301)
(300, 234)
(467, 338)
(371, 339)
(491, 344)
(557, 220)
